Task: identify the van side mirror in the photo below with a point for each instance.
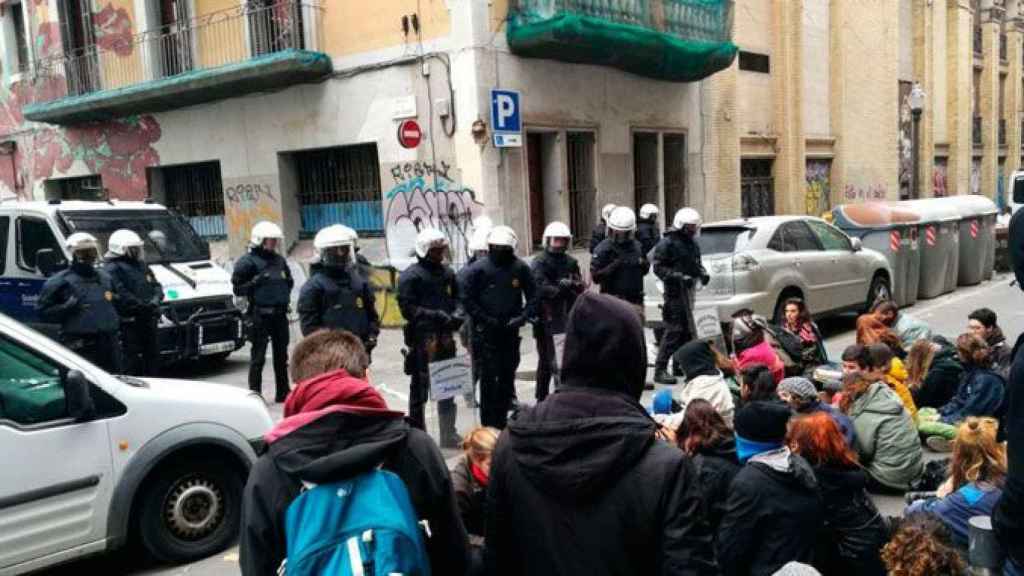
(49, 262)
(855, 244)
(77, 396)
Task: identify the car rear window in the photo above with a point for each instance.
(723, 239)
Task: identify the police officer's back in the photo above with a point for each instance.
(81, 299)
(619, 264)
(337, 296)
(138, 301)
(647, 232)
(262, 276)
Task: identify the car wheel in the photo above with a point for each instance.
(879, 290)
(191, 511)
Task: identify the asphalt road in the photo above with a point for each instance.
(947, 315)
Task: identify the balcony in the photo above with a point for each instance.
(976, 131)
(241, 50)
(673, 40)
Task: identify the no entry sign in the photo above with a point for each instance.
(409, 134)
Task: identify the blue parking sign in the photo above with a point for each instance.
(505, 112)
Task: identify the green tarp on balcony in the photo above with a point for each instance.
(674, 40)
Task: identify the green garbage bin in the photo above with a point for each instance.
(893, 231)
(977, 237)
(939, 244)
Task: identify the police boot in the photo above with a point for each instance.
(661, 376)
(446, 422)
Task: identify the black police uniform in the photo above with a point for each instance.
(81, 300)
(598, 234)
(138, 302)
(339, 298)
(619, 269)
(494, 292)
(469, 337)
(677, 263)
(559, 282)
(428, 299)
(264, 278)
(647, 234)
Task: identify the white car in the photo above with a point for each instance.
(92, 461)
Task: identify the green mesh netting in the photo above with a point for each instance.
(675, 40)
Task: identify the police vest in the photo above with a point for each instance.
(345, 304)
(271, 285)
(95, 312)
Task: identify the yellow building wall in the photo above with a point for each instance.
(220, 40)
(354, 26)
(753, 33)
(120, 62)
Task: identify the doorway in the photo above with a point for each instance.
(544, 166)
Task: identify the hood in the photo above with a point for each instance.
(726, 449)
(898, 370)
(185, 281)
(836, 478)
(604, 346)
(996, 338)
(578, 442)
(787, 468)
(697, 359)
(879, 399)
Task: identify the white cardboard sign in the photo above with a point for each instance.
(449, 378)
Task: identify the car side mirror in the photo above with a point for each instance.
(49, 262)
(856, 245)
(78, 397)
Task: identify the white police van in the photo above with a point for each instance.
(199, 318)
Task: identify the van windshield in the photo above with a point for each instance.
(167, 238)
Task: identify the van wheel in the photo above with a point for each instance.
(879, 291)
(191, 511)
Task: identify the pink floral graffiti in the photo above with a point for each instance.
(114, 30)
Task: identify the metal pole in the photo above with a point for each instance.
(915, 191)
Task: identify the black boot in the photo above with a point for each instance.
(661, 376)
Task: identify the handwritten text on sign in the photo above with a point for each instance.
(449, 378)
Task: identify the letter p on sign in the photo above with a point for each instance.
(506, 121)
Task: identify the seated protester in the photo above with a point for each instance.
(933, 373)
(709, 443)
(854, 357)
(905, 326)
(773, 513)
(887, 443)
(854, 530)
(980, 393)
(751, 346)
(758, 385)
(469, 481)
(975, 484)
(798, 322)
(922, 546)
(337, 426)
(885, 366)
(870, 330)
(579, 484)
(703, 379)
(983, 323)
(802, 397)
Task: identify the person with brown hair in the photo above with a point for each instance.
(871, 330)
(922, 547)
(905, 326)
(887, 442)
(854, 530)
(751, 346)
(709, 442)
(470, 478)
(337, 426)
(977, 473)
(933, 373)
(797, 321)
(980, 393)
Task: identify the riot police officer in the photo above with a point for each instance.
(619, 264)
(647, 232)
(477, 250)
(428, 299)
(600, 230)
(337, 296)
(81, 300)
(559, 282)
(677, 263)
(262, 276)
(500, 297)
(138, 301)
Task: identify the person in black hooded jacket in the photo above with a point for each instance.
(579, 484)
(706, 438)
(336, 427)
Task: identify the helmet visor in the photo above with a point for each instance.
(88, 255)
(134, 252)
(337, 256)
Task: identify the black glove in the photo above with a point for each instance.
(704, 279)
(516, 323)
(566, 284)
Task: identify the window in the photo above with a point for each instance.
(5, 226)
(830, 238)
(339, 186)
(195, 191)
(794, 237)
(31, 388)
(80, 188)
(724, 240)
(34, 234)
(21, 44)
(754, 62)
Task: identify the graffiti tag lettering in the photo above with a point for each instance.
(248, 193)
(403, 172)
(817, 197)
(853, 193)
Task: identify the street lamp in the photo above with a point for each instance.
(916, 101)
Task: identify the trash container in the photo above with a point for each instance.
(977, 237)
(893, 231)
(939, 243)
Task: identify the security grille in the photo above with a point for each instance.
(196, 191)
(675, 173)
(645, 168)
(582, 192)
(757, 188)
(340, 186)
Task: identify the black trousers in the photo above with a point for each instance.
(676, 324)
(102, 349)
(140, 344)
(546, 364)
(427, 349)
(498, 376)
(272, 328)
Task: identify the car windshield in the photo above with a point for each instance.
(167, 238)
(724, 239)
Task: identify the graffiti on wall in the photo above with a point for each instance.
(817, 196)
(906, 148)
(119, 151)
(975, 176)
(860, 194)
(247, 201)
(426, 195)
(940, 176)
(113, 28)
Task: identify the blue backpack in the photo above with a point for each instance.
(364, 526)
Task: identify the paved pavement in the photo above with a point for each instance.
(947, 315)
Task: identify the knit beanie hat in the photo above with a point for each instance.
(760, 427)
(799, 387)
